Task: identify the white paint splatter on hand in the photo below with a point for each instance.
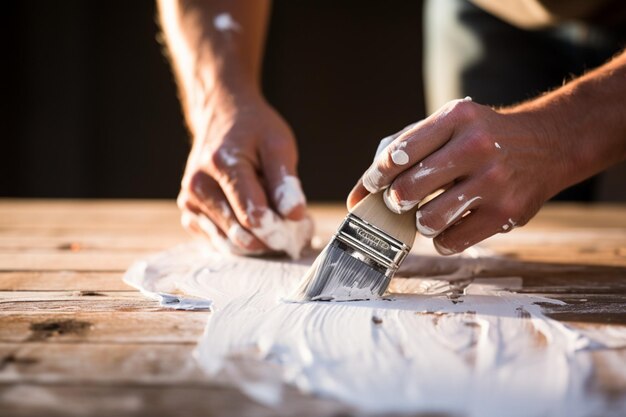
(372, 179)
(497, 145)
(399, 157)
(398, 206)
(281, 235)
(224, 22)
(289, 194)
(229, 156)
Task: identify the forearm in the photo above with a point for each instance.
(587, 116)
(216, 49)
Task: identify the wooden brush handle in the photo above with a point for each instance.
(373, 210)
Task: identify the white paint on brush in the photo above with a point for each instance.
(487, 351)
(289, 194)
(224, 22)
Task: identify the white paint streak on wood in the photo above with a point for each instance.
(487, 352)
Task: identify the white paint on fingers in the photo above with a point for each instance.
(224, 22)
(288, 195)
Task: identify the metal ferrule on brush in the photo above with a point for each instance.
(371, 245)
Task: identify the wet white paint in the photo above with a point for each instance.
(238, 234)
(398, 206)
(281, 235)
(289, 194)
(431, 347)
(229, 156)
(217, 240)
(399, 157)
(423, 229)
(372, 179)
(224, 22)
(505, 227)
(422, 172)
(461, 197)
(497, 145)
(455, 214)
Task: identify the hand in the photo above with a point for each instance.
(496, 168)
(240, 187)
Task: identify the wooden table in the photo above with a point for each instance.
(75, 340)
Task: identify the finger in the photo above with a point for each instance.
(446, 209)
(358, 193)
(470, 230)
(415, 144)
(204, 193)
(445, 166)
(283, 185)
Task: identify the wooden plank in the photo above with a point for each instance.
(147, 364)
(62, 400)
(76, 301)
(67, 260)
(81, 327)
(62, 281)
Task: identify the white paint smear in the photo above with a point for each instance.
(432, 347)
(289, 194)
(282, 235)
(224, 22)
(372, 179)
(497, 145)
(398, 206)
(399, 157)
(422, 172)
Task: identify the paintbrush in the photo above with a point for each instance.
(363, 255)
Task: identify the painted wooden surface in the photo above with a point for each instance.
(75, 340)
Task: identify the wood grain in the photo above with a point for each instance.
(75, 340)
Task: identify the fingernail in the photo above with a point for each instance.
(442, 249)
(371, 180)
(424, 230)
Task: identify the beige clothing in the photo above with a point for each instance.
(534, 14)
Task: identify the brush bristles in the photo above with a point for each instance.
(339, 276)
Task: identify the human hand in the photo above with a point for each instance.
(497, 169)
(240, 188)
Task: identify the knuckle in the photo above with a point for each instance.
(463, 110)
(497, 175)
(479, 140)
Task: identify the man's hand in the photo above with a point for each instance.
(495, 169)
(241, 175)
(498, 167)
(240, 187)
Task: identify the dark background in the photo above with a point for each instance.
(90, 106)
